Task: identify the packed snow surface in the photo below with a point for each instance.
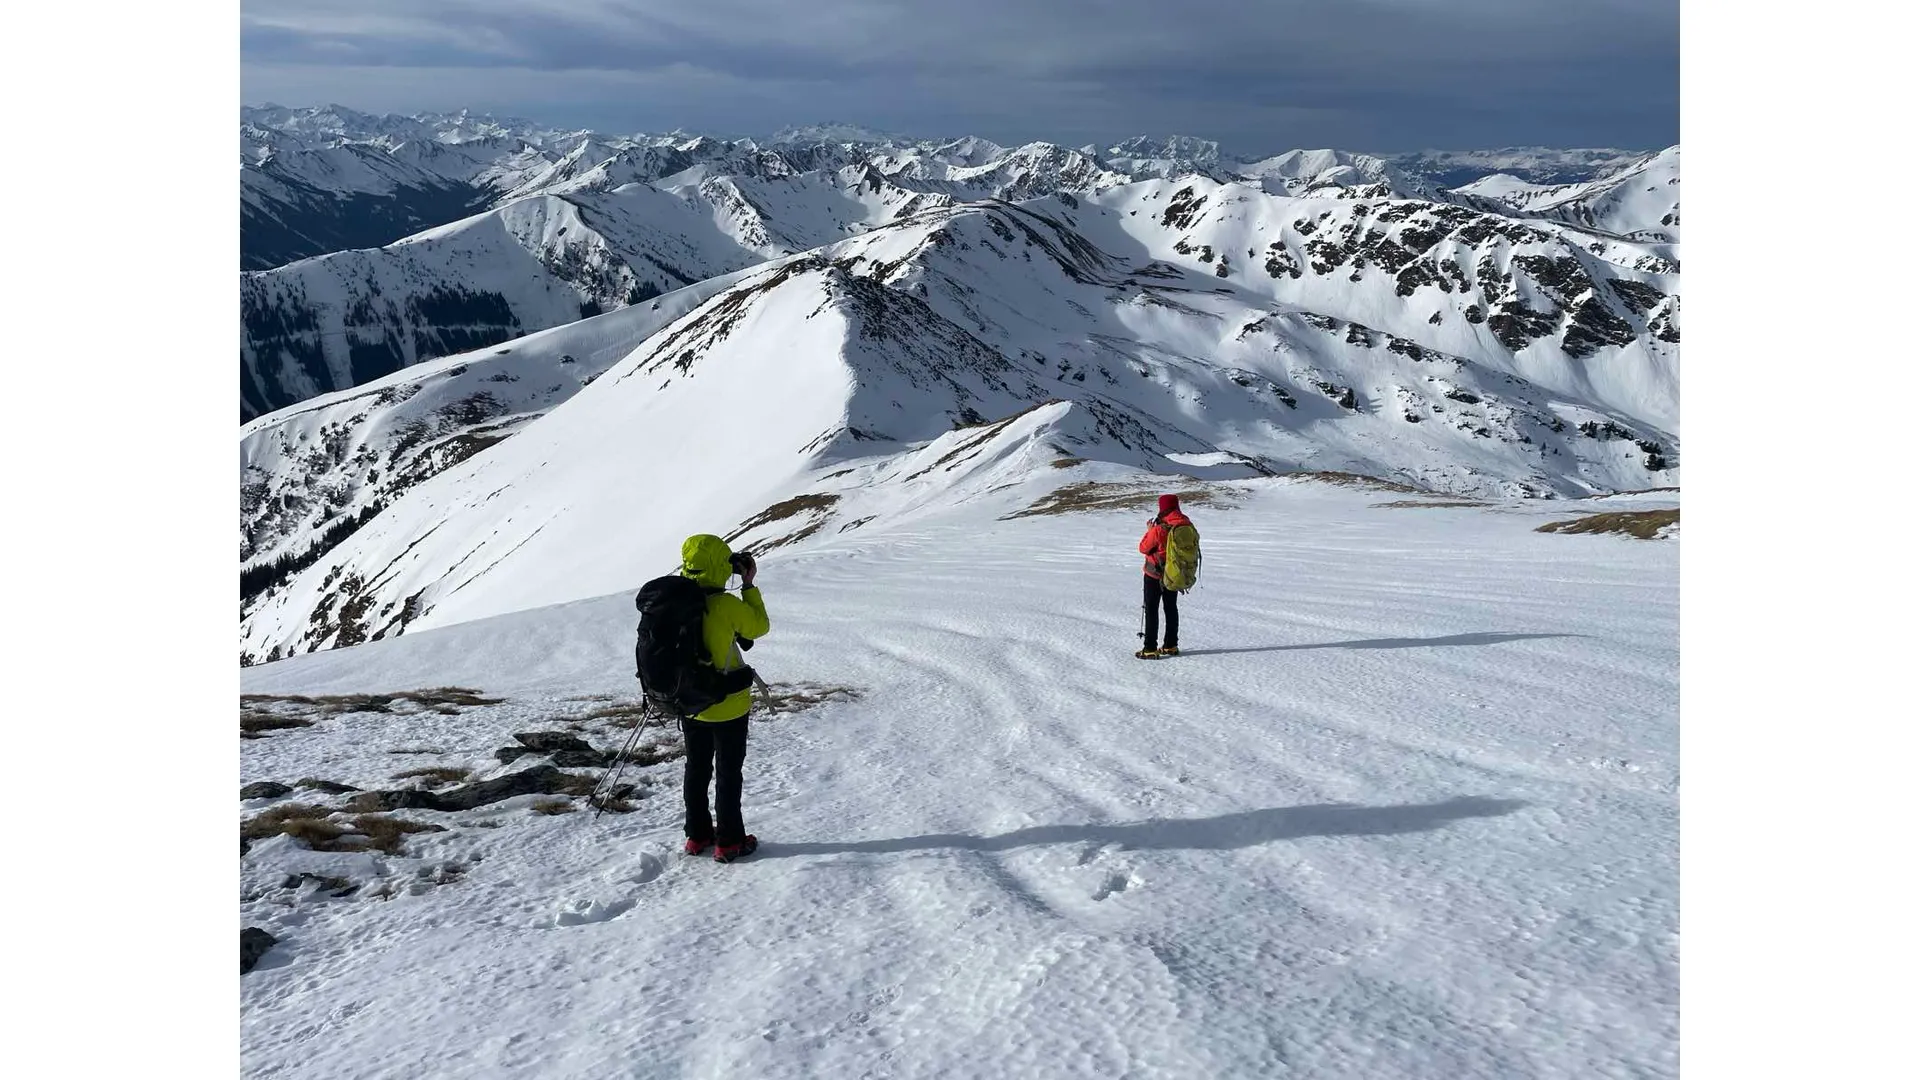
(1405, 807)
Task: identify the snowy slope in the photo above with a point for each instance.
(1335, 173)
(842, 370)
(1532, 164)
(312, 472)
(297, 202)
(1640, 200)
(1407, 807)
(339, 320)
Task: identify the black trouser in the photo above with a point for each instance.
(1153, 598)
(706, 741)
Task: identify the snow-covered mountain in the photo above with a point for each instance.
(569, 222)
(1188, 327)
(1534, 164)
(1640, 200)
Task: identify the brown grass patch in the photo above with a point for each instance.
(1407, 504)
(1641, 524)
(553, 806)
(329, 787)
(1635, 491)
(318, 834)
(438, 697)
(255, 723)
(315, 827)
(436, 774)
(1347, 479)
(624, 716)
(780, 511)
(1092, 496)
(383, 833)
(272, 822)
(799, 697)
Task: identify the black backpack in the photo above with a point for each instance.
(670, 650)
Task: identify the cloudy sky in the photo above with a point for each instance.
(1258, 75)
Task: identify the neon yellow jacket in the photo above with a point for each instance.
(707, 560)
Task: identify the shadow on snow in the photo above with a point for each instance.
(1245, 829)
(1384, 643)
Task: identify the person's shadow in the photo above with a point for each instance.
(1245, 829)
(1384, 643)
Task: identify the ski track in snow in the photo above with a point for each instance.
(1406, 807)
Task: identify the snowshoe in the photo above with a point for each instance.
(730, 852)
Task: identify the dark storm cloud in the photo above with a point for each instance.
(1379, 74)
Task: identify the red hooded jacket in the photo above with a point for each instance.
(1154, 544)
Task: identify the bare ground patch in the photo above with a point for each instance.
(1414, 504)
(817, 504)
(457, 697)
(1640, 524)
(1092, 496)
(321, 828)
(436, 775)
(1357, 480)
(262, 713)
(789, 698)
(255, 723)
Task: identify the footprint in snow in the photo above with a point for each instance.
(581, 912)
(1116, 883)
(644, 869)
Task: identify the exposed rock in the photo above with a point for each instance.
(1637, 295)
(539, 780)
(254, 943)
(1517, 325)
(264, 789)
(1594, 326)
(545, 741)
(328, 787)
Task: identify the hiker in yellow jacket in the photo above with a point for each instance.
(718, 735)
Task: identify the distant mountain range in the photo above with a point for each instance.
(371, 243)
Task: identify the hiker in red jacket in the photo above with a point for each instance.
(1154, 547)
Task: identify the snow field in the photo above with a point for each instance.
(1407, 806)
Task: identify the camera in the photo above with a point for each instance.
(741, 562)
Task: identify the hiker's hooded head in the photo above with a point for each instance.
(1169, 504)
(707, 560)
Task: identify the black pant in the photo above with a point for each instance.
(706, 742)
(1153, 598)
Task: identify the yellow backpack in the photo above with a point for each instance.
(1182, 569)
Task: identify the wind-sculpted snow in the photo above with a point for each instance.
(1406, 808)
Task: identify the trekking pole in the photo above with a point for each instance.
(766, 695)
(619, 765)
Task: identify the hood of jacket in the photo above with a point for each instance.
(706, 559)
